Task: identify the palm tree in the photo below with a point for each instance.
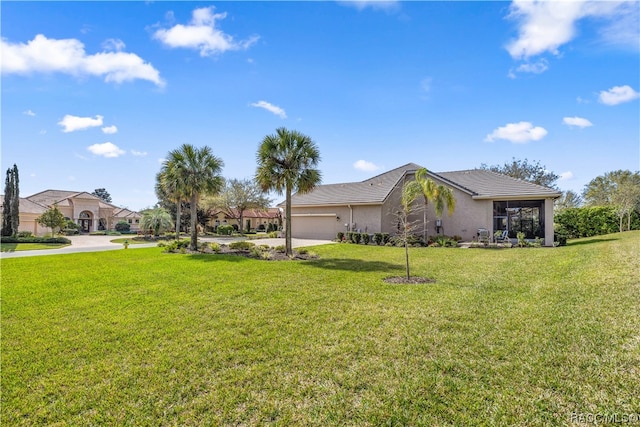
(287, 162)
(157, 219)
(194, 172)
(167, 189)
(439, 194)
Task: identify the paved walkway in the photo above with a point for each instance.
(103, 243)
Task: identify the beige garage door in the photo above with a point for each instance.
(314, 226)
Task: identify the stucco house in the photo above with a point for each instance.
(256, 218)
(88, 211)
(484, 200)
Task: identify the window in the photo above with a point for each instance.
(516, 216)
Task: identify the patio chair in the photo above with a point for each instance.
(483, 235)
(502, 237)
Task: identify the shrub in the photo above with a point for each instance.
(225, 230)
(377, 238)
(302, 251)
(386, 237)
(273, 234)
(177, 246)
(356, 237)
(242, 245)
(349, 236)
(256, 252)
(521, 239)
(24, 234)
(123, 226)
(215, 247)
(281, 249)
(339, 236)
(365, 238)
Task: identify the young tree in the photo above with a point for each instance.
(410, 192)
(53, 219)
(440, 195)
(103, 194)
(287, 162)
(157, 219)
(195, 172)
(238, 196)
(11, 204)
(522, 169)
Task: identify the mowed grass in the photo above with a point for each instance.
(14, 247)
(504, 337)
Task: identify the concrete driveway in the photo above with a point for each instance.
(87, 243)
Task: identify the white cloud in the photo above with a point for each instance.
(73, 123)
(139, 153)
(115, 45)
(618, 94)
(536, 68)
(365, 166)
(577, 122)
(29, 113)
(68, 56)
(110, 129)
(271, 108)
(374, 4)
(565, 176)
(581, 100)
(201, 34)
(107, 149)
(518, 133)
(544, 26)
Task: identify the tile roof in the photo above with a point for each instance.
(49, 197)
(371, 191)
(478, 183)
(487, 184)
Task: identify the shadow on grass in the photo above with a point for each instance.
(353, 265)
(9, 247)
(218, 257)
(589, 241)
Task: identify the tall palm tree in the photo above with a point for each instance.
(439, 194)
(168, 189)
(195, 172)
(287, 162)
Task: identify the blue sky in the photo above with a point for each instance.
(94, 94)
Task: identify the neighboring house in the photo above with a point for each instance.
(88, 211)
(484, 200)
(257, 219)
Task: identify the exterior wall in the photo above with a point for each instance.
(468, 216)
(548, 222)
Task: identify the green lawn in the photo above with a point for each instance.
(13, 247)
(504, 337)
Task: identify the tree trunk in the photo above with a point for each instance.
(406, 256)
(194, 221)
(287, 214)
(178, 219)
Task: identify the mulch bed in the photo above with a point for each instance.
(413, 280)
